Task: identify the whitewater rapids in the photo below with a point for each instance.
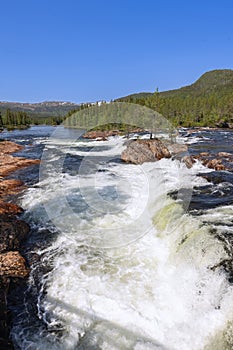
(129, 268)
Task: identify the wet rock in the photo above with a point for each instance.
(177, 148)
(9, 187)
(12, 264)
(101, 139)
(204, 154)
(7, 147)
(12, 233)
(6, 344)
(224, 154)
(4, 315)
(8, 163)
(9, 208)
(12, 268)
(100, 135)
(140, 151)
(189, 161)
(215, 164)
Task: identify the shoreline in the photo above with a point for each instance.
(13, 231)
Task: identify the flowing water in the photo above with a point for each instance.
(118, 261)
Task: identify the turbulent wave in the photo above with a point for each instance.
(122, 264)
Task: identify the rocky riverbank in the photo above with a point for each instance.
(140, 151)
(13, 232)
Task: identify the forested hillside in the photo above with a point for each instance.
(207, 102)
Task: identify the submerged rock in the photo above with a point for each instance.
(140, 151)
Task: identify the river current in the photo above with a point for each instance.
(117, 260)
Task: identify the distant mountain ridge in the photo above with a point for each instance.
(40, 109)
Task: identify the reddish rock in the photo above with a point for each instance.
(9, 208)
(224, 154)
(100, 135)
(177, 148)
(12, 233)
(189, 161)
(215, 164)
(12, 264)
(140, 151)
(12, 186)
(9, 163)
(7, 147)
(204, 154)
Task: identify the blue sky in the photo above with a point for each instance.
(88, 50)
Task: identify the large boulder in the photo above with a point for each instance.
(140, 151)
(12, 233)
(12, 264)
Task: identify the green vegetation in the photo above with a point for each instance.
(14, 119)
(18, 119)
(207, 102)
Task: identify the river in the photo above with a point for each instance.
(124, 256)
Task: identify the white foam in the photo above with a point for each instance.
(152, 288)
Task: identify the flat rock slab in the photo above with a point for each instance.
(9, 163)
(7, 147)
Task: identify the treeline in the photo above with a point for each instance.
(19, 119)
(207, 109)
(12, 118)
